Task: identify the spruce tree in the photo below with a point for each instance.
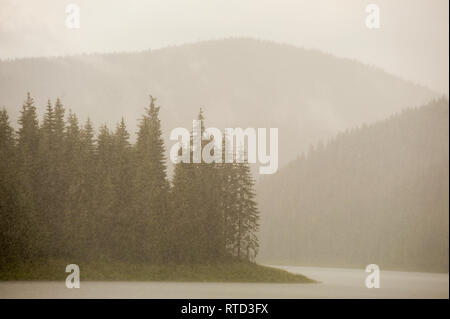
(104, 199)
(67, 194)
(28, 175)
(151, 189)
(184, 222)
(88, 198)
(46, 192)
(247, 221)
(122, 180)
(60, 183)
(196, 196)
(11, 248)
(73, 176)
(229, 195)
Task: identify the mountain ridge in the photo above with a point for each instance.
(239, 82)
(374, 194)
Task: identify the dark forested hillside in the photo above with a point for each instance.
(307, 94)
(376, 194)
(69, 194)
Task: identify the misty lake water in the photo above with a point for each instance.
(334, 283)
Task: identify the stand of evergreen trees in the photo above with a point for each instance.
(374, 194)
(66, 193)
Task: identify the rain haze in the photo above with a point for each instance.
(93, 182)
(412, 41)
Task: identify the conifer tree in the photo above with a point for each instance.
(247, 216)
(46, 192)
(28, 134)
(73, 177)
(151, 188)
(67, 194)
(184, 200)
(122, 180)
(10, 206)
(87, 201)
(59, 183)
(59, 129)
(229, 192)
(28, 175)
(196, 197)
(104, 192)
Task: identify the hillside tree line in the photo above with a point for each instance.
(69, 193)
(373, 194)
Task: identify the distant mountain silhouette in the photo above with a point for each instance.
(378, 194)
(307, 94)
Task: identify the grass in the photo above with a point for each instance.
(116, 271)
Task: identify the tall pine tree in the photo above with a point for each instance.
(151, 189)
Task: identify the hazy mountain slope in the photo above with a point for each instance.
(239, 82)
(378, 194)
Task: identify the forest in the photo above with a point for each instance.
(69, 193)
(374, 194)
(307, 94)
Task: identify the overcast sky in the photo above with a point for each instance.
(412, 41)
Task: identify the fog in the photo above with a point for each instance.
(307, 94)
(334, 283)
(412, 41)
(362, 121)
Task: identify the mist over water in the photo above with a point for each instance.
(359, 172)
(334, 283)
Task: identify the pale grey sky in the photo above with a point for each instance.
(412, 41)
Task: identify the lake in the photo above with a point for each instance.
(334, 283)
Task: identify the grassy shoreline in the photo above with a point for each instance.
(245, 272)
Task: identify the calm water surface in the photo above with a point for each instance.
(334, 283)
